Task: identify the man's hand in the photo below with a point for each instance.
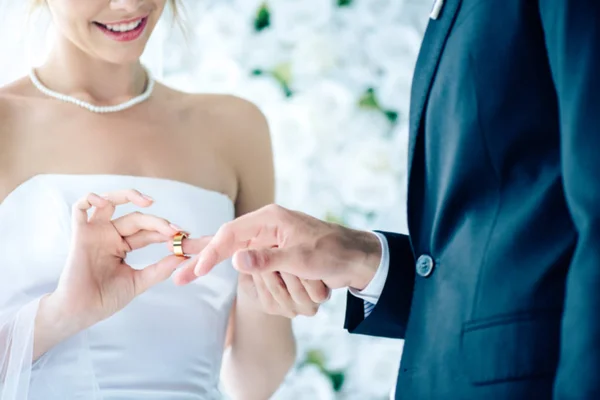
(274, 239)
(282, 294)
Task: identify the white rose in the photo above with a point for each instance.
(294, 189)
(370, 173)
(313, 57)
(362, 124)
(291, 131)
(368, 14)
(376, 368)
(309, 383)
(328, 104)
(394, 92)
(221, 31)
(293, 20)
(393, 45)
(264, 91)
(183, 81)
(263, 51)
(218, 75)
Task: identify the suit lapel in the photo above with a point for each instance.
(429, 57)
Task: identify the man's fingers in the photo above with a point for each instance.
(317, 290)
(292, 260)
(129, 224)
(192, 246)
(144, 238)
(220, 248)
(276, 286)
(81, 207)
(257, 229)
(155, 273)
(186, 274)
(269, 304)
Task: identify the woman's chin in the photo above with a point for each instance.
(128, 57)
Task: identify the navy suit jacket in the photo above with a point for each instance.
(504, 196)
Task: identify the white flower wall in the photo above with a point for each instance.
(333, 78)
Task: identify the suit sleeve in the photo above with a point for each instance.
(390, 316)
(572, 34)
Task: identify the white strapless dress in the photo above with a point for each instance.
(167, 344)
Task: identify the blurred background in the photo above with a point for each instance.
(333, 78)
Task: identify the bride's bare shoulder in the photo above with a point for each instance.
(217, 105)
(13, 96)
(16, 89)
(223, 113)
(10, 96)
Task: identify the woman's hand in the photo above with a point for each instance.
(282, 294)
(96, 282)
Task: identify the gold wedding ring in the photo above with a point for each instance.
(178, 244)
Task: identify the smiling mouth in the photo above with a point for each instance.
(128, 27)
(124, 31)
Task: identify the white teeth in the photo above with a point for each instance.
(124, 27)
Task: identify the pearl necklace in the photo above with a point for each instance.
(91, 107)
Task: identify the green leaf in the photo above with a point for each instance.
(369, 100)
(263, 17)
(344, 3)
(257, 72)
(287, 91)
(337, 379)
(392, 116)
(317, 358)
(283, 73)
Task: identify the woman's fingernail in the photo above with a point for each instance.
(147, 197)
(179, 229)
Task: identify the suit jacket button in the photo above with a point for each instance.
(425, 266)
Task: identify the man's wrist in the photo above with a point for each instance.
(367, 259)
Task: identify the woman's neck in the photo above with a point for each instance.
(70, 71)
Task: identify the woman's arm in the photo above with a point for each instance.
(262, 346)
(34, 329)
(39, 319)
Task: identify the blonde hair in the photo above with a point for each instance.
(175, 7)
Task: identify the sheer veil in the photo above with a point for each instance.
(65, 372)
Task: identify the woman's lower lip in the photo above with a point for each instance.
(125, 36)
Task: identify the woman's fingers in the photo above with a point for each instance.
(81, 207)
(129, 224)
(192, 245)
(117, 198)
(303, 303)
(144, 238)
(186, 274)
(154, 274)
(121, 197)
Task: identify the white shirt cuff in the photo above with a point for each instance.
(373, 291)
